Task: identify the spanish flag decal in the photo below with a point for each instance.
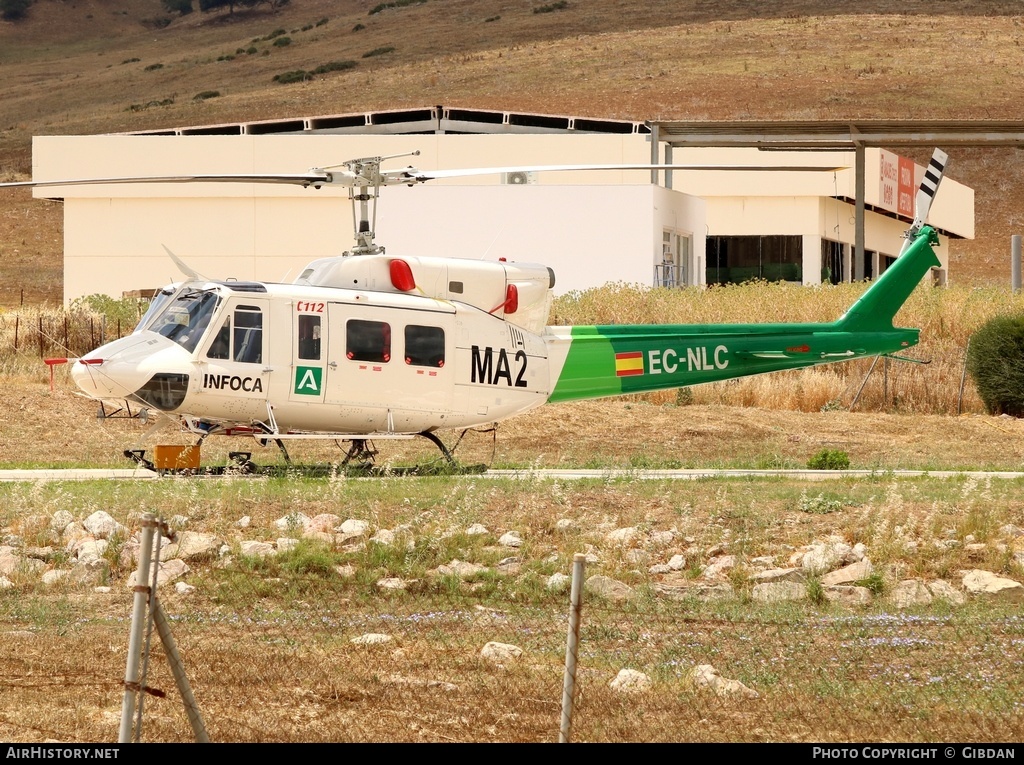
(628, 364)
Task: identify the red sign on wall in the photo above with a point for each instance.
(898, 180)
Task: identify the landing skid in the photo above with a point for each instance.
(358, 461)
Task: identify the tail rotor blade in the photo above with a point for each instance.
(926, 194)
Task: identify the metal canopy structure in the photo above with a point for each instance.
(841, 134)
(836, 135)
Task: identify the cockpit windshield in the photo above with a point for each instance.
(156, 306)
(185, 317)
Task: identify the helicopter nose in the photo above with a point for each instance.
(124, 368)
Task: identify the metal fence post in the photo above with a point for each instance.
(195, 717)
(579, 564)
(140, 614)
(1015, 262)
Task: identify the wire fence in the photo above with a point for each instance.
(63, 333)
(310, 651)
(307, 659)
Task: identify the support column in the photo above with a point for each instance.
(858, 224)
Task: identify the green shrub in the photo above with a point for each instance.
(378, 51)
(298, 75)
(154, 67)
(334, 66)
(995, 361)
(829, 459)
(126, 311)
(205, 95)
(181, 7)
(280, 42)
(395, 4)
(12, 10)
(561, 5)
(819, 505)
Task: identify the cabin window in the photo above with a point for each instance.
(309, 337)
(424, 346)
(368, 340)
(248, 335)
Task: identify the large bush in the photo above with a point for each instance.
(12, 10)
(995, 361)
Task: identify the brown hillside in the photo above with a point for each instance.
(91, 66)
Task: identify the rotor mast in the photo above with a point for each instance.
(364, 179)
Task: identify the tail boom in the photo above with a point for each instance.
(610, 360)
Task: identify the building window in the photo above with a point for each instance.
(368, 340)
(674, 268)
(424, 346)
(831, 262)
(736, 259)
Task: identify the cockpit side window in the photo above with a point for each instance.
(220, 348)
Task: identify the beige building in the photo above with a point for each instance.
(591, 227)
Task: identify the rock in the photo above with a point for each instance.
(796, 575)
(777, 592)
(706, 676)
(102, 526)
(510, 539)
(372, 638)
(623, 537)
(847, 595)
(978, 582)
(501, 651)
(910, 592)
(630, 681)
(293, 522)
(559, 582)
(609, 589)
(855, 572)
(459, 568)
(256, 549)
(192, 546)
(719, 567)
(354, 527)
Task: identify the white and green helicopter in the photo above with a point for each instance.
(367, 346)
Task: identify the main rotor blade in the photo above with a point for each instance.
(311, 178)
(404, 176)
(427, 175)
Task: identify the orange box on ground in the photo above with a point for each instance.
(171, 457)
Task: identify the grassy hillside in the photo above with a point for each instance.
(110, 65)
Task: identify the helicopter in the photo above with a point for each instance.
(367, 346)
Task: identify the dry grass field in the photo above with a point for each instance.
(268, 642)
